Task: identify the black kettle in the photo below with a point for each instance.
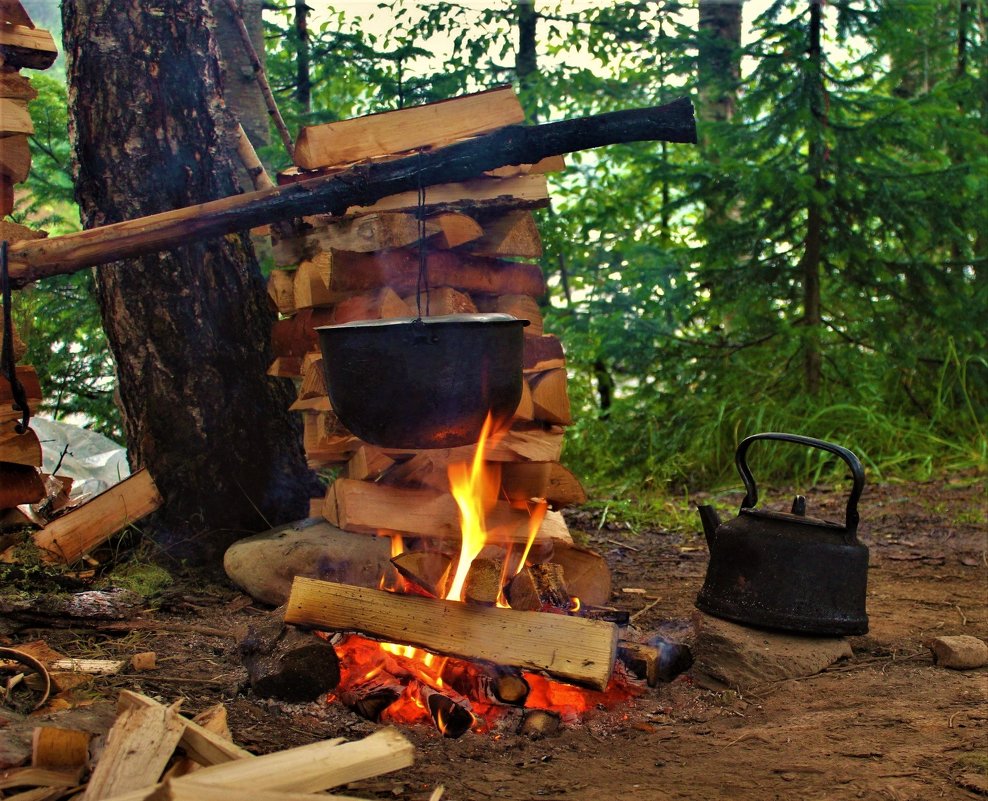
(786, 570)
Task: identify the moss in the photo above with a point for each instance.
(143, 578)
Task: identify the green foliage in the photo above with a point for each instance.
(680, 277)
(59, 318)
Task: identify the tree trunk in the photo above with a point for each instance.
(813, 243)
(526, 57)
(240, 89)
(303, 79)
(719, 58)
(189, 328)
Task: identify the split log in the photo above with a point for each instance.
(568, 648)
(138, 748)
(199, 743)
(522, 481)
(213, 720)
(14, 117)
(264, 565)
(426, 569)
(586, 573)
(95, 667)
(57, 780)
(370, 698)
(335, 275)
(366, 464)
(425, 469)
(527, 442)
(288, 664)
(171, 790)
(312, 282)
(384, 134)
(80, 530)
(512, 234)
(550, 398)
(55, 748)
(564, 488)
(525, 413)
(22, 47)
(542, 353)
(524, 307)
(455, 230)
(281, 290)
(482, 584)
(15, 159)
(16, 448)
(364, 184)
(381, 304)
(286, 367)
(306, 769)
(363, 234)
(28, 377)
(296, 336)
(539, 588)
(366, 507)
(440, 300)
(13, 13)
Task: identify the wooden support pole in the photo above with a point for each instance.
(359, 186)
(570, 648)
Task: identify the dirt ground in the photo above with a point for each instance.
(886, 724)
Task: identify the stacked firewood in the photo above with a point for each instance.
(21, 45)
(480, 240)
(153, 752)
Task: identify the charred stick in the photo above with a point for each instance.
(362, 185)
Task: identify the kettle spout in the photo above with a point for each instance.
(710, 520)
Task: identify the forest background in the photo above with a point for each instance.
(818, 264)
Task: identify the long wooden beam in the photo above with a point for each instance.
(574, 649)
(359, 186)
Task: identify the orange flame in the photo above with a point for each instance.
(474, 487)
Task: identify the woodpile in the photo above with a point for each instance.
(153, 753)
(21, 45)
(481, 243)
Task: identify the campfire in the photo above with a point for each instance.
(402, 682)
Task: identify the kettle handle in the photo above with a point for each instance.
(857, 471)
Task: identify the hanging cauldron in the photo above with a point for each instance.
(787, 571)
(424, 382)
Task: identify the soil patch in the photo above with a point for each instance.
(883, 724)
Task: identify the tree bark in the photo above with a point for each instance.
(240, 90)
(526, 57)
(303, 78)
(188, 328)
(813, 242)
(719, 58)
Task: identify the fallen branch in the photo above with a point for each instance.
(359, 186)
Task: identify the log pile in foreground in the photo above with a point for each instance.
(153, 753)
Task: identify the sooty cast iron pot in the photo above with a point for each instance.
(423, 383)
(787, 571)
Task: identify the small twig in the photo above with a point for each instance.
(187, 680)
(950, 720)
(961, 613)
(624, 545)
(603, 517)
(643, 610)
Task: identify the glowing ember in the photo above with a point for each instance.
(397, 683)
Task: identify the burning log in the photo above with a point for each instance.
(426, 569)
(286, 663)
(510, 687)
(587, 575)
(452, 718)
(658, 660)
(539, 723)
(569, 648)
(369, 699)
(483, 582)
(539, 587)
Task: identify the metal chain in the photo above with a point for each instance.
(7, 367)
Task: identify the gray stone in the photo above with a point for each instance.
(265, 564)
(741, 658)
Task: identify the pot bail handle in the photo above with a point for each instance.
(852, 461)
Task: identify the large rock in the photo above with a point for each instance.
(265, 564)
(729, 655)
